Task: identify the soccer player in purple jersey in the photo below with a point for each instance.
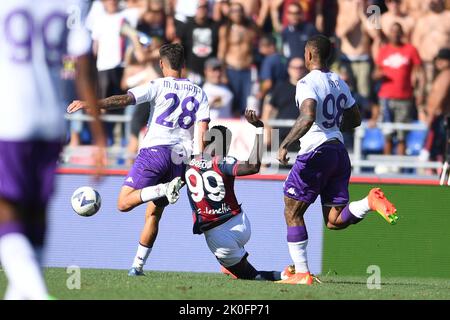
(177, 106)
(34, 39)
(323, 165)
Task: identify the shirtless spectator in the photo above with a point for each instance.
(297, 32)
(414, 8)
(431, 33)
(236, 43)
(396, 65)
(356, 34)
(395, 14)
(438, 107)
(251, 7)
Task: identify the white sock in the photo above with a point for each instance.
(13, 294)
(141, 257)
(21, 267)
(153, 192)
(297, 250)
(360, 208)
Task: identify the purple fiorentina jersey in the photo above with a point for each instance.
(34, 37)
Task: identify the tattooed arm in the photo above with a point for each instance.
(118, 101)
(301, 127)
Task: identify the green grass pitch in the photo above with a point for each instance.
(115, 284)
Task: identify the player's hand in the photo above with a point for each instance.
(282, 156)
(251, 117)
(76, 105)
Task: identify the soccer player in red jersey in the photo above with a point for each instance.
(216, 211)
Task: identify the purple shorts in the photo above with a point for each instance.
(27, 171)
(155, 165)
(324, 171)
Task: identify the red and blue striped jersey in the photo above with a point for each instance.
(210, 188)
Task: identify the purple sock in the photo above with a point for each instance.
(348, 218)
(297, 234)
(10, 227)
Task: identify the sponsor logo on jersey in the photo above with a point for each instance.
(201, 164)
(224, 209)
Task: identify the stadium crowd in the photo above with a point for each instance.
(394, 54)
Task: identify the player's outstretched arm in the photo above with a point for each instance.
(301, 126)
(118, 101)
(351, 118)
(253, 164)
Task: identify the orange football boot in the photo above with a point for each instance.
(379, 203)
(227, 272)
(298, 278)
(288, 272)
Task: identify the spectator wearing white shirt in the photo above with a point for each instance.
(109, 48)
(220, 98)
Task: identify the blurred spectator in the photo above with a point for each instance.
(200, 40)
(220, 98)
(414, 8)
(109, 48)
(326, 17)
(236, 42)
(431, 33)
(438, 107)
(251, 7)
(221, 11)
(395, 14)
(356, 33)
(96, 11)
(133, 9)
(142, 66)
(69, 94)
(181, 10)
(370, 111)
(272, 69)
(281, 104)
(396, 64)
(153, 20)
(297, 33)
(309, 9)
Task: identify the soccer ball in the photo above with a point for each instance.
(86, 201)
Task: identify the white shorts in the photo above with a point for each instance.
(227, 241)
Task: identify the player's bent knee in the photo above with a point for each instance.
(229, 257)
(336, 226)
(123, 205)
(332, 226)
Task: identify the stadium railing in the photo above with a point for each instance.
(359, 157)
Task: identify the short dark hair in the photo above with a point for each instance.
(174, 53)
(321, 47)
(268, 40)
(218, 134)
